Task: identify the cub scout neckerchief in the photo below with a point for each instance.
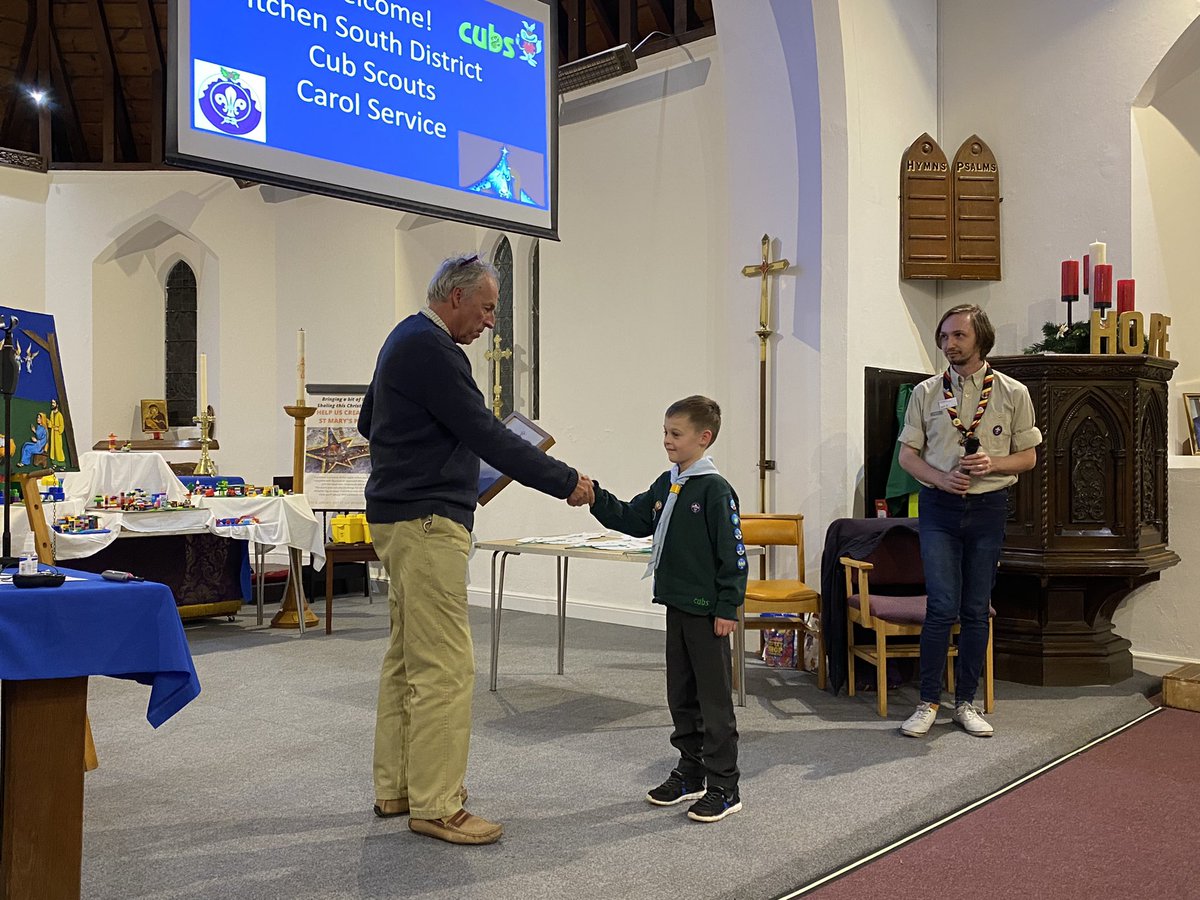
(984, 396)
(700, 467)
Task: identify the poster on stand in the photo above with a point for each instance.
(337, 459)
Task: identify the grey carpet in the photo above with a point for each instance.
(261, 788)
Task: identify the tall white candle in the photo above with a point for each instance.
(300, 367)
(203, 384)
(1099, 252)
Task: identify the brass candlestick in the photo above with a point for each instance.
(294, 599)
(206, 466)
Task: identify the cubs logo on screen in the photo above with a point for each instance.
(229, 101)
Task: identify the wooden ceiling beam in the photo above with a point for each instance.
(24, 74)
(605, 22)
(108, 144)
(157, 82)
(65, 102)
(627, 22)
(662, 17)
(45, 129)
(117, 130)
(575, 19)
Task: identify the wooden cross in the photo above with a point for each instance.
(494, 356)
(764, 269)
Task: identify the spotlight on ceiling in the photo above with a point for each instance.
(38, 96)
(596, 68)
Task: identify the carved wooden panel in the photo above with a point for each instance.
(1102, 469)
(949, 214)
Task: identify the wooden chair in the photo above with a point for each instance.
(895, 609)
(32, 496)
(789, 596)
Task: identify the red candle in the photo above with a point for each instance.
(1087, 272)
(1102, 286)
(1125, 295)
(1070, 280)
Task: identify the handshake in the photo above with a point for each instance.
(584, 493)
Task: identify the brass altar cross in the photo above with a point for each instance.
(494, 356)
(763, 270)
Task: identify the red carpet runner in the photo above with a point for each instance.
(1118, 820)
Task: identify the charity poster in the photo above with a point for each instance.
(337, 459)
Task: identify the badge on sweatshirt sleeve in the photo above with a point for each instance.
(741, 562)
(695, 507)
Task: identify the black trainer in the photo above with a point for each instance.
(676, 789)
(716, 804)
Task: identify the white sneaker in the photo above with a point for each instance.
(920, 721)
(971, 720)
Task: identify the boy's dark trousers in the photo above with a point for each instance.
(700, 699)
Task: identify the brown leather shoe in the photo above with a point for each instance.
(389, 809)
(460, 828)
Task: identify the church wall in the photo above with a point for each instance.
(632, 314)
(335, 277)
(1050, 90)
(1167, 137)
(132, 223)
(879, 93)
(23, 250)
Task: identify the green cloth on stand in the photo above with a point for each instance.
(900, 483)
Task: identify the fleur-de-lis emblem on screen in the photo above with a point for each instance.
(230, 104)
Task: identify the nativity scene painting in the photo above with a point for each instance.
(41, 435)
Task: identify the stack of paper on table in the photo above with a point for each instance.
(597, 540)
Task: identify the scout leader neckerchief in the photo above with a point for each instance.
(700, 467)
(984, 395)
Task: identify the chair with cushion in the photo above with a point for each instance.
(895, 607)
(788, 599)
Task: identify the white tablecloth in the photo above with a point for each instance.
(106, 472)
(282, 521)
(75, 546)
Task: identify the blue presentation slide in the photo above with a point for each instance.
(450, 94)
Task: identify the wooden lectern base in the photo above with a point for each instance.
(288, 617)
(41, 822)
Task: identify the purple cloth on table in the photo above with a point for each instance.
(96, 627)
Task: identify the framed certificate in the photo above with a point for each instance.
(492, 481)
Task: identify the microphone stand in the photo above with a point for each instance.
(9, 372)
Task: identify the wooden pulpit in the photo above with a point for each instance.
(1088, 524)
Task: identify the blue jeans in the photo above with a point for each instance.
(961, 539)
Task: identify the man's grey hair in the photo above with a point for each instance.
(464, 272)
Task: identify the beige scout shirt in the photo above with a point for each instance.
(1007, 426)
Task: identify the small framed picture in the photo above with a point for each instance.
(154, 416)
(492, 481)
(1191, 406)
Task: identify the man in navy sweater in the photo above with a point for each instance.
(429, 426)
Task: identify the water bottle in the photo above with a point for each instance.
(29, 561)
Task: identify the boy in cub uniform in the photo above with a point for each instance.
(699, 567)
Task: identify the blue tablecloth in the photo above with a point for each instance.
(209, 481)
(96, 627)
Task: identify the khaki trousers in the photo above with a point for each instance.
(423, 720)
